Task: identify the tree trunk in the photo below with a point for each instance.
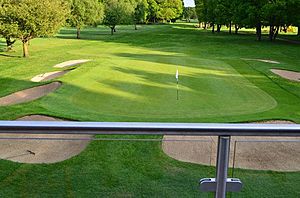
(219, 28)
(213, 28)
(230, 27)
(78, 33)
(205, 25)
(276, 32)
(271, 32)
(112, 30)
(236, 28)
(258, 31)
(298, 30)
(25, 49)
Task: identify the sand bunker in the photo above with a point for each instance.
(49, 76)
(262, 60)
(71, 63)
(41, 151)
(290, 75)
(28, 95)
(250, 152)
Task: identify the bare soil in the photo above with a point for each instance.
(49, 76)
(290, 75)
(257, 153)
(71, 63)
(28, 95)
(41, 151)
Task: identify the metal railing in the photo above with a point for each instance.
(220, 185)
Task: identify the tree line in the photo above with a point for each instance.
(275, 14)
(29, 19)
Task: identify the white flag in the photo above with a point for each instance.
(177, 74)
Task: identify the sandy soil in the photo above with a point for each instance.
(41, 151)
(49, 76)
(262, 60)
(71, 63)
(256, 153)
(29, 94)
(290, 75)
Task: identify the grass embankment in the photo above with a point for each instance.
(132, 78)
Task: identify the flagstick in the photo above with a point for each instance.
(177, 90)
(177, 79)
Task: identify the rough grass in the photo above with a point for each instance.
(132, 78)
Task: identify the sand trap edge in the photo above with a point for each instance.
(49, 76)
(287, 74)
(71, 63)
(30, 94)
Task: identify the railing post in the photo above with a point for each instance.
(222, 165)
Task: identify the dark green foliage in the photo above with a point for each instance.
(250, 13)
(85, 12)
(29, 19)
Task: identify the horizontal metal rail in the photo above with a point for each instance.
(138, 128)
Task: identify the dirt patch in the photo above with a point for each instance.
(258, 153)
(41, 151)
(71, 63)
(290, 75)
(28, 95)
(49, 76)
(262, 60)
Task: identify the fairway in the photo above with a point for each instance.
(130, 76)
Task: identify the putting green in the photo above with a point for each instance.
(149, 90)
(127, 86)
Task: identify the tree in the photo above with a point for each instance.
(189, 13)
(170, 9)
(239, 14)
(153, 9)
(117, 12)
(140, 12)
(275, 15)
(201, 11)
(255, 15)
(6, 29)
(85, 12)
(29, 19)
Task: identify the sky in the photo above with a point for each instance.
(189, 3)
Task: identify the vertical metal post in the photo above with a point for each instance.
(222, 165)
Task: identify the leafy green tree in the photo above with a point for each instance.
(255, 15)
(293, 16)
(29, 19)
(201, 11)
(239, 14)
(189, 13)
(274, 13)
(140, 12)
(85, 12)
(117, 12)
(5, 27)
(153, 9)
(170, 9)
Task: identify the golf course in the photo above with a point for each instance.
(130, 77)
